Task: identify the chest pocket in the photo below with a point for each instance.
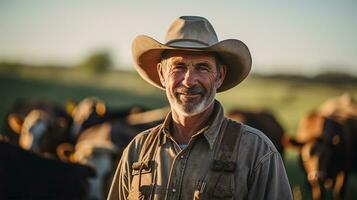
(141, 183)
(224, 187)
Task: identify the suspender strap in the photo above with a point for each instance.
(145, 158)
(224, 161)
(226, 154)
(148, 150)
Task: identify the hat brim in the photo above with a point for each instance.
(233, 53)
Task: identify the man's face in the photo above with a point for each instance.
(191, 80)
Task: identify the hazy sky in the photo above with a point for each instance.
(298, 36)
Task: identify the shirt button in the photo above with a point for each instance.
(182, 157)
(173, 190)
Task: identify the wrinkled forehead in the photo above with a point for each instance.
(180, 54)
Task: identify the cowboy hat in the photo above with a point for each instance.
(192, 33)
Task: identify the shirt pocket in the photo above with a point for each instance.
(224, 187)
(141, 184)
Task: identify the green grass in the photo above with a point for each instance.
(288, 99)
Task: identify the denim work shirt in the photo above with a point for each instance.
(176, 173)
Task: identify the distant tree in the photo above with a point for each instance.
(335, 77)
(97, 62)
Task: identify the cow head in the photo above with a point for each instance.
(94, 148)
(39, 131)
(88, 110)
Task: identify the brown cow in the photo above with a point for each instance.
(328, 146)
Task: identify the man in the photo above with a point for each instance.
(197, 153)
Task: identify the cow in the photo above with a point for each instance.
(263, 121)
(327, 138)
(100, 147)
(26, 175)
(102, 134)
(92, 111)
(38, 126)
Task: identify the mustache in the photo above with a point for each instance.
(191, 90)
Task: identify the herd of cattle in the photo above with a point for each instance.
(51, 152)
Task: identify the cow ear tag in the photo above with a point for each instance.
(15, 123)
(70, 106)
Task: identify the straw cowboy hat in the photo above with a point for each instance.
(191, 33)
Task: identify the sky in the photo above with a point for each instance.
(297, 36)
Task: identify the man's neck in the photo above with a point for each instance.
(184, 127)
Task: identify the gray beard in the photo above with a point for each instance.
(192, 109)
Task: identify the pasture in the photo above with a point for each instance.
(289, 98)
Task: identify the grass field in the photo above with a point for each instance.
(288, 99)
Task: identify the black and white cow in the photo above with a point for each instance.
(102, 134)
(38, 126)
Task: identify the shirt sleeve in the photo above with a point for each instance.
(120, 184)
(269, 179)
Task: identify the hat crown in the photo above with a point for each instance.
(191, 31)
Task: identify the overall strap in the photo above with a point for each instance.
(145, 161)
(227, 148)
(148, 150)
(224, 163)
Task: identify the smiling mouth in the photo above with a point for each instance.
(186, 96)
(189, 94)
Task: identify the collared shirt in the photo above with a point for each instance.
(178, 172)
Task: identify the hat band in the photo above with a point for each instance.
(187, 43)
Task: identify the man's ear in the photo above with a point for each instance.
(221, 76)
(160, 71)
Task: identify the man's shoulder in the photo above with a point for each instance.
(135, 146)
(257, 137)
(255, 147)
(141, 137)
(254, 138)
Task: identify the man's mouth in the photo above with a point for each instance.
(190, 95)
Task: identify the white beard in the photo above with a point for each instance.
(192, 109)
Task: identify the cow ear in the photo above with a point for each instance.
(65, 151)
(100, 109)
(70, 106)
(15, 122)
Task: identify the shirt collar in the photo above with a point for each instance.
(210, 130)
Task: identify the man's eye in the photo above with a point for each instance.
(179, 67)
(203, 68)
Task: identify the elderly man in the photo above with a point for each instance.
(197, 153)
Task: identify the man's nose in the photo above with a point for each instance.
(190, 78)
